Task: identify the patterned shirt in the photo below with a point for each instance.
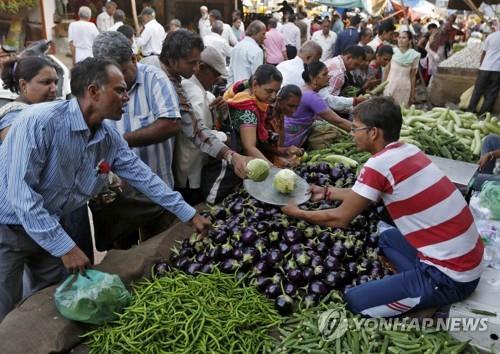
(337, 71)
(50, 165)
(426, 207)
(151, 97)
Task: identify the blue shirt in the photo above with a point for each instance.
(151, 97)
(49, 168)
(345, 39)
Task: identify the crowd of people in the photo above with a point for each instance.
(161, 121)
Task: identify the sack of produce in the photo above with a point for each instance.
(93, 298)
(465, 99)
(490, 198)
(322, 135)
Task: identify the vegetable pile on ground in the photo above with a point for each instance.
(440, 132)
(330, 328)
(447, 133)
(180, 313)
(291, 261)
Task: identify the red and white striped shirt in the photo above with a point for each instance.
(426, 207)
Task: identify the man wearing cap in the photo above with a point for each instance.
(152, 35)
(180, 58)
(188, 158)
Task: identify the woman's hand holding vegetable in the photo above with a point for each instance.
(200, 223)
(291, 209)
(294, 150)
(239, 163)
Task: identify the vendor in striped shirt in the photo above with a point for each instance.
(435, 246)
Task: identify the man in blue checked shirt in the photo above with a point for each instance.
(57, 156)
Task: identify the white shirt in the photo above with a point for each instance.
(375, 43)
(82, 34)
(246, 57)
(151, 38)
(228, 35)
(116, 26)
(188, 158)
(215, 40)
(326, 43)
(292, 72)
(204, 26)
(291, 34)
(491, 46)
(104, 21)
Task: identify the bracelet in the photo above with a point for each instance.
(328, 193)
(229, 157)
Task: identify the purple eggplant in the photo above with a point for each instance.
(331, 279)
(272, 291)
(202, 258)
(230, 265)
(261, 244)
(352, 268)
(274, 257)
(302, 258)
(296, 248)
(208, 268)
(316, 261)
(249, 255)
(262, 226)
(283, 247)
(335, 172)
(261, 282)
(193, 268)
(372, 240)
(161, 268)
(322, 249)
(293, 235)
(290, 289)
(317, 287)
(338, 251)
(214, 253)
(186, 252)
(284, 305)
(331, 263)
(308, 274)
(364, 279)
(319, 271)
(226, 250)
(249, 236)
(260, 268)
(183, 263)
(296, 276)
(237, 208)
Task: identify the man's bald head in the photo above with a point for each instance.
(310, 52)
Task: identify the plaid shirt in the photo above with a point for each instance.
(337, 72)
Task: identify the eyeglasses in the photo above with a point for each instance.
(354, 130)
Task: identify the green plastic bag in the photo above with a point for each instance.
(490, 198)
(94, 298)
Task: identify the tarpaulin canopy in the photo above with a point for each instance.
(373, 7)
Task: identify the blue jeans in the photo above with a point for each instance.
(416, 286)
(491, 143)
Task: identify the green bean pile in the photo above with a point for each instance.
(301, 334)
(179, 313)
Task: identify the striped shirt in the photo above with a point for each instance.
(426, 207)
(49, 168)
(151, 97)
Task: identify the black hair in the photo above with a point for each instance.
(127, 31)
(288, 91)
(25, 68)
(179, 44)
(431, 26)
(355, 51)
(410, 38)
(383, 113)
(265, 74)
(87, 72)
(355, 20)
(312, 70)
(368, 50)
(385, 50)
(386, 26)
(365, 32)
(216, 14)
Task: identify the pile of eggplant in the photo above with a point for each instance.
(291, 261)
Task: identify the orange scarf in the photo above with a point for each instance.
(239, 98)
